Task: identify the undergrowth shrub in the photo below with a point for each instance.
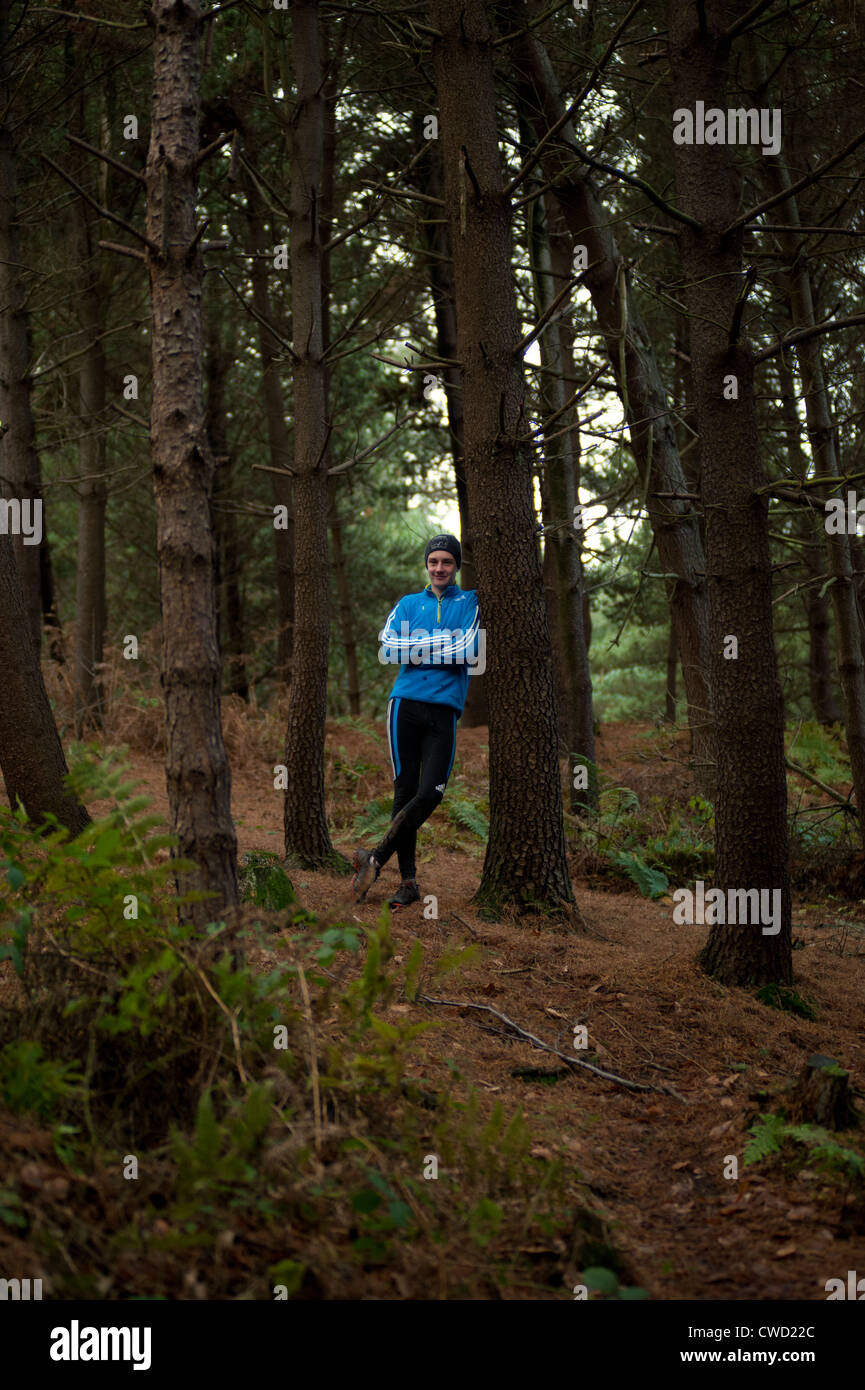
(257, 1072)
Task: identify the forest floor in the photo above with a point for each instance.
(652, 1164)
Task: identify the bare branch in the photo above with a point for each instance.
(794, 188)
(412, 195)
(800, 335)
(570, 111)
(736, 325)
(260, 179)
(745, 19)
(545, 1047)
(266, 468)
(259, 318)
(136, 419)
(198, 235)
(642, 185)
(89, 18)
(214, 145)
(123, 250)
(103, 212)
(109, 159)
(843, 801)
(532, 24)
(545, 318)
(781, 227)
(358, 458)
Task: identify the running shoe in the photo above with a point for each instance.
(405, 895)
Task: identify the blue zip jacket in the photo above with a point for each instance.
(436, 641)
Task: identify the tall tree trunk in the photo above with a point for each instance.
(821, 435)
(198, 775)
(653, 439)
(90, 608)
(19, 465)
(751, 805)
(50, 617)
(227, 548)
(307, 840)
(525, 862)
(326, 211)
(551, 604)
(274, 414)
(343, 593)
(440, 270)
(811, 531)
(31, 755)
(563, 470)
(672, 663)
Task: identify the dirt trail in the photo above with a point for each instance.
(651, 1163)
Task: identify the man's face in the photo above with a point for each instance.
(441, 568)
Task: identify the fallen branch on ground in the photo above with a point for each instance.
(545, 1047)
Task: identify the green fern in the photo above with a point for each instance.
(771, 1132)
(264, 882)
(768, 1132)
(652, 883)
(465, 812)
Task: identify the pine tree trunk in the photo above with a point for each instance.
(672, 663)
(674, 523)
(441, 280)
(90, 606)
(227, 548)
(31, 755)
(525, 862)
(19, 466)
(566, 538)
(307, 840)
(810, 529)
(751, 804)
(821, 435)
(277, 431)
(198, 775)
(343, 593)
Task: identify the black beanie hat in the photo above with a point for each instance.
(446, 542)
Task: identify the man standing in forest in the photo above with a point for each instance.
(434, 636)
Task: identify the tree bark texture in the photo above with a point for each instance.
(307, 839)
(751, 805)
(436, 240)
(821, 436)
(31, 755)
(197, 771)
(278, 434)
(525, 862)
(19, 464)
(90, 607)
(229, 606)
(810, 529)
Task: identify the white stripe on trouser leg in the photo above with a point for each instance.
(390, 740)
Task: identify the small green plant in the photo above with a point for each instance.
(485, 1221)
(31, 1082)
(374, 820)
(467, 813)
(651, 882)
(770, 1133)
(605, 1284)
(264, 882)
(786, 999)
(219, 1154)
(818, 750)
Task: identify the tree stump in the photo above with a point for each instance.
(822, 1096)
